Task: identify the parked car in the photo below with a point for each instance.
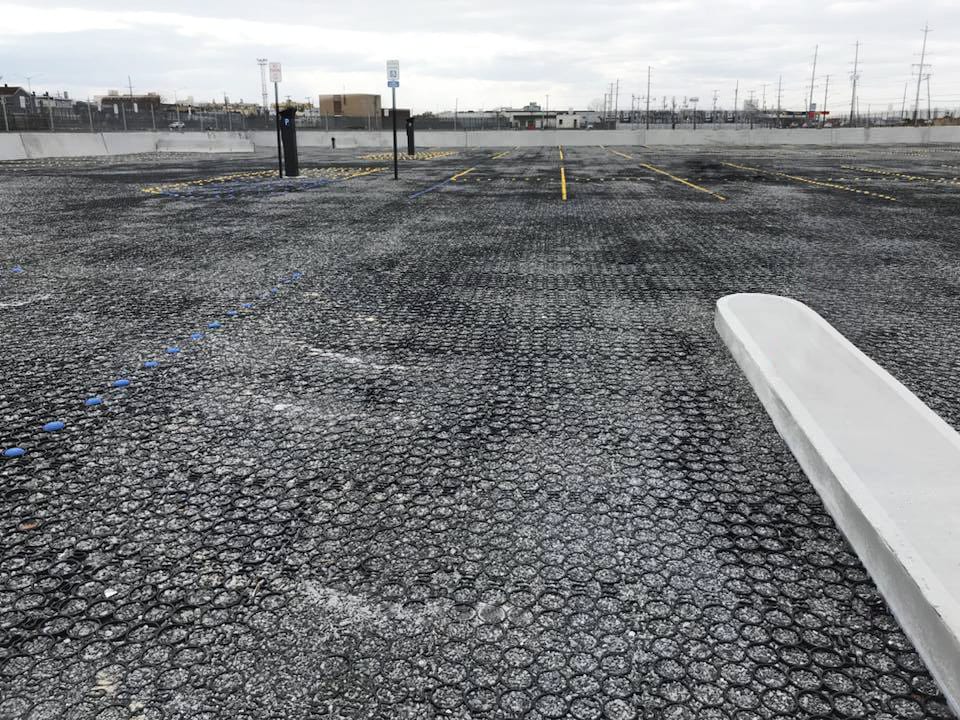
(177, 125)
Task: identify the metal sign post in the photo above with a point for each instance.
(393, 82)
(276, 77)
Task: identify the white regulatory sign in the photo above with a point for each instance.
(393, 73)
(275, 74)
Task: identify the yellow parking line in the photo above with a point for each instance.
(563, 176)
(461, 174)
(661, 171)
(689, 184)
(808, 181)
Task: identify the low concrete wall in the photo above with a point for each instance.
(572, 138)
(39, 145)
(11, 147)
(206, 142)
(44, 145)
(130, 143)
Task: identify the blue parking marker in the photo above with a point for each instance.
(151, 364)
(246, 306)
(53, 426)
(173, 350)
(297, 275)
(89, 402)
(196, 336)
(121, 382)
(215, 325)
(231, 313)
(16, 269)
(14, 452)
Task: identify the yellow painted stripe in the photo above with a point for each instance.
(655, 169)
(563, 176)
(461, 174)
(808, 181)
(680, 180)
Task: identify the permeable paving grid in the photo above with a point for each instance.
(450, 446)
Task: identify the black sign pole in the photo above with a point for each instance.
(393, 114)
(276, 95)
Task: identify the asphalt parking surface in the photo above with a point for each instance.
(451, 446)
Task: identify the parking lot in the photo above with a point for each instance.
(460, 445)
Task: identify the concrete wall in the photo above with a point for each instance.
(205, 142)
(11, 147)
(549, 138)
(17, 146)
(43, 145)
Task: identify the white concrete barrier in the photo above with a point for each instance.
(46, 145)
(886, 466)
(40, 145)
(130, 143)
(205, 142)
(11, 147)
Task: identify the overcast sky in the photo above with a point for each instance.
(486, 53)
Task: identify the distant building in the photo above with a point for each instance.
(116, 103)
(17, 100)
(353, 105)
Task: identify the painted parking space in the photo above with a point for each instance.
(824, 184)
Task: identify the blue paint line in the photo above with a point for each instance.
(91, 401)
(150, 364)
(215, 325)
(231, 313)
(120, 382)
(173, 350)
(54, 426)
(429, 189)
(196, 336)
(14, 452)
(246, 306)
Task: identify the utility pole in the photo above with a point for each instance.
(764, 101)
(713, 115)
(854, 77)
(649, 70)
(130, 85)
(923, 56)
(736, 100)
(779, 95)
(262, 62)
(903, 105)
(616, 105)
(929, 116)
(823, 110)
(813, 77)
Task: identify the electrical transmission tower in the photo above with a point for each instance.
(854, 77)
(923, 56)
(813, 77)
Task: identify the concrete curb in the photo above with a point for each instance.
(886, 466)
